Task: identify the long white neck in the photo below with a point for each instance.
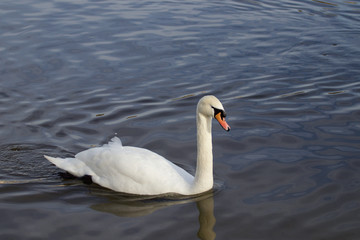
(204, 168)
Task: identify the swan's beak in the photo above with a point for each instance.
(222, 122)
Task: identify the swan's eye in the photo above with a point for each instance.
(217, 111)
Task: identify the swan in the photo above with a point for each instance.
(139, 171)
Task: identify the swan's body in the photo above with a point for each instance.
(139, 171)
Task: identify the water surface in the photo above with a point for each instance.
(75, 74)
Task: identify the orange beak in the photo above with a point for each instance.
(222, 122)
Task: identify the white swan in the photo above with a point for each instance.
(139, 171)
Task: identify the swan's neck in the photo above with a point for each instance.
(204, 168)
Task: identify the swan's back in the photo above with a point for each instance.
(128, 169)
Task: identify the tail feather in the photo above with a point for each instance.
(71, 165)
(53, 160)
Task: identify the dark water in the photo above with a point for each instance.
(75, 73)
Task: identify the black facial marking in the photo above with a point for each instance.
(222, 113)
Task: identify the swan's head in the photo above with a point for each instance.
(210, 106)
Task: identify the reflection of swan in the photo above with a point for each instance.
(135, 206)
(206, 219)
(142, 172)
(124, 205)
